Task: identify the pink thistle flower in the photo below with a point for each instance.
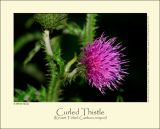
(104, 63)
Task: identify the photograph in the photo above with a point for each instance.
(80, 57)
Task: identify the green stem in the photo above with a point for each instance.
(55, 82)
(47, 42)
(56, 90)
(56, 62)
(51, 87)
(91, 26)
(89, 29)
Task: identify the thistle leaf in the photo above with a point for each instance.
(70, 63)
(32, 53)
(73, 29)
(25, 39)
(30, 95)
(55, 44)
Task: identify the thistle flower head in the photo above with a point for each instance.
(104, 63)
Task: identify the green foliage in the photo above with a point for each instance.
(55, 45)
(30, 95)
(89, 29)
(71, 75)
(25, 39)
(52, 83)
(55, 66)
(70, 63)
(73, 29)
(57, 72)
(29, 23)
(120, 96)
(51, 21)
(32, 53)
(87, 34)
(60, 72)
(53, 73)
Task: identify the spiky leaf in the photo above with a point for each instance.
(31, 94)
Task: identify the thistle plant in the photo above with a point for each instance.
(101, 61)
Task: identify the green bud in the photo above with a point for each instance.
(51, 21)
